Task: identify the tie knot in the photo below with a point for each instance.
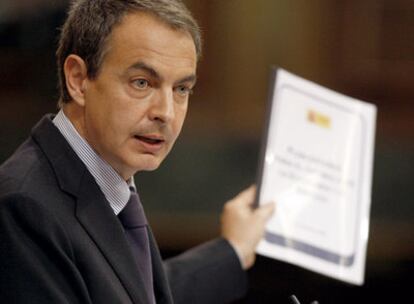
(133, 215)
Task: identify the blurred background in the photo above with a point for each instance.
(361, 48)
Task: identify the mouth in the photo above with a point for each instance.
(149, 140)
(150, 143)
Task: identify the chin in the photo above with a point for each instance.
(142, 162)
(150, 165)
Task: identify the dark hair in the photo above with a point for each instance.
(90, 23)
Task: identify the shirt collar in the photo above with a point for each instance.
(115, 189)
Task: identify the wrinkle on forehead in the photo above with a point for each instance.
(143, 31)
(140, 35)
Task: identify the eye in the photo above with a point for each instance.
(183, 90)
(141, 83)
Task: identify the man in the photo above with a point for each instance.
(126, 71)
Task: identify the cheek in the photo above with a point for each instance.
(180, 118)
(111, 124)
(120, 125)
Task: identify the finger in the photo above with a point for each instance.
(265, 211)
(247, 191)
(246, 197)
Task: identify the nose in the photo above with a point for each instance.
(162, 107)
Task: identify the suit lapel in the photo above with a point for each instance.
(92, 209)
(98, 219)
(161, 285)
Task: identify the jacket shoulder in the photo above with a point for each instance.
(27, 168)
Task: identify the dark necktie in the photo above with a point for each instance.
(134, 221)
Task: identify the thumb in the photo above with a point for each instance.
(265, 211)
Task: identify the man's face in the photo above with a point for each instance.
(135, 108)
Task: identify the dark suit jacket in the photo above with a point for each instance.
(60, 241)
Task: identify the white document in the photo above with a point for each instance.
(317, 167)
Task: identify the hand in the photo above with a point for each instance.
(244, 226)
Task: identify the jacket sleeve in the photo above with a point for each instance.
(36, 261)
(209, 273)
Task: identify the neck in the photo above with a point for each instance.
(76, 116)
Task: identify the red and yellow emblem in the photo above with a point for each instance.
(319, 119)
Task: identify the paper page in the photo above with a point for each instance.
(317, 167)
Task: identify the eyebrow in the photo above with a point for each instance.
(153, 72)
(147, 68)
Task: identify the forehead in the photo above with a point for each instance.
(142, 36)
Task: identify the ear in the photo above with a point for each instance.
(76, 75)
